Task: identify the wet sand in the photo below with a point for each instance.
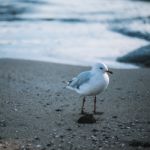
(37, 112)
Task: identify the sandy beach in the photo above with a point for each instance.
(37, 112)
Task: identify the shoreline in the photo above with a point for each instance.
(35, 108)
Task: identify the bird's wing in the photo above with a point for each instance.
(82, 78)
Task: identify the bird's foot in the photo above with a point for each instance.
(98, 113)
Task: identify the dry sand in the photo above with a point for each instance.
(36, 112)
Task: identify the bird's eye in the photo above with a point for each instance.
(101, 68)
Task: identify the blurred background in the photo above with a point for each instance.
(73, 31)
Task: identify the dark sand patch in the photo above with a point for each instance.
(136, 143)
(87, 119)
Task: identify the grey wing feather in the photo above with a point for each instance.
(80, 79)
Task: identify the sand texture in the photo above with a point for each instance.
(37, 112)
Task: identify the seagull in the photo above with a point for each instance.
(90, 83)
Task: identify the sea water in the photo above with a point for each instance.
(73, 31)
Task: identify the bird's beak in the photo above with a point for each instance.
(108, 71)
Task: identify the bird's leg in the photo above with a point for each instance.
(94, 104)
(82, 109)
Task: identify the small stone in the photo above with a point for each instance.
(61, 136)
(118, 88)
(37, 117)
(94, 130)
(58, 110)
(123, 98)
(100, 148)
(69, 142)
(56, 136)
(62, 140)
(54, 130)
(49, 144)
(38, 146)
(148, 122)
(93, 138)
(15, 109)
(3, 123)
(36, 138)
(114, 117)
(122, 145)
(22, 147)
(69, 129)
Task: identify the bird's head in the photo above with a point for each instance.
(102, 68)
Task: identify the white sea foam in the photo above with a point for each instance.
(73, 32)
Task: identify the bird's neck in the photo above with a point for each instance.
(97, 72)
